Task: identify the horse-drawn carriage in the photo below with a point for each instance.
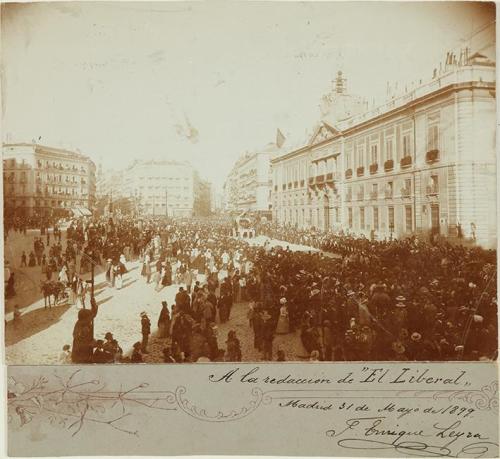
(54, 289)
(244, 227)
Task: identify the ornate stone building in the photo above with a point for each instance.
(46, 181)
(248, 185)
(166, 187)
(423, 162)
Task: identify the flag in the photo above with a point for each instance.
(280, 138)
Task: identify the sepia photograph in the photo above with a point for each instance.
(193, 182)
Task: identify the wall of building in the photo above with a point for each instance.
(158, 186)
(352, 185)
(248, 185)
(40, 180)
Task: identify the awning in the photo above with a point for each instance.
(85, 212)
(81, 212)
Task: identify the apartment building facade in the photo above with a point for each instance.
(40, 180)
(424, 162)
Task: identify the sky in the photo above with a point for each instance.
(208, 81)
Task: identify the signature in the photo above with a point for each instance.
(375, 435)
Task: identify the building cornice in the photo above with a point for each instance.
(389, 114)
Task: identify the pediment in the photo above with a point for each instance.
(323, 132)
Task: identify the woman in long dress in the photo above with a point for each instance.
(158, 275)
(164, 321)
(63, 275)
(283, 326)
(167, 276)
(118, 277)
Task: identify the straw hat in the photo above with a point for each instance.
(398, 347)
(415, 336)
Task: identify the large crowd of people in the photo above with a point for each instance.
(355, 300)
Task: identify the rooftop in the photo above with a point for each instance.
(37, 148)
(474, 68)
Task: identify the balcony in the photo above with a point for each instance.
(432, 190)
(405, 192)
(374, 195)
(406, 161)
(360, 171)
(373, 168)
(432, 156)
(389, 165)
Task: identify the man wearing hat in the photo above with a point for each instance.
(146, 331)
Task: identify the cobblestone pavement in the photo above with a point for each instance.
(238, 322)
(28, 279)
(40, 336)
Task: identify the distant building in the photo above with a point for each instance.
(248, 185)
(202, 206)
(424, 162)
(109, 183)
(164, 187)
(44, 181)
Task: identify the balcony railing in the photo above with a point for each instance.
(432, 190)
(373, 168)
(360, 171)
(406, 161)
(405, 192)
(348, 173)
(389, 165)
(432, 156)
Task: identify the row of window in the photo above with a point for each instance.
(56, 165)
(164, 178)
(364, 216)
(375, 218)
(365, 152)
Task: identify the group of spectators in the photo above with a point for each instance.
(355, 300)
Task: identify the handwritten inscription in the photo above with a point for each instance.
(439, 439)
(353, 419)
(407, 376)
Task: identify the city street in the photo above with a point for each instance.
(40, 336)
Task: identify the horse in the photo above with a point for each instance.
(55, 289)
